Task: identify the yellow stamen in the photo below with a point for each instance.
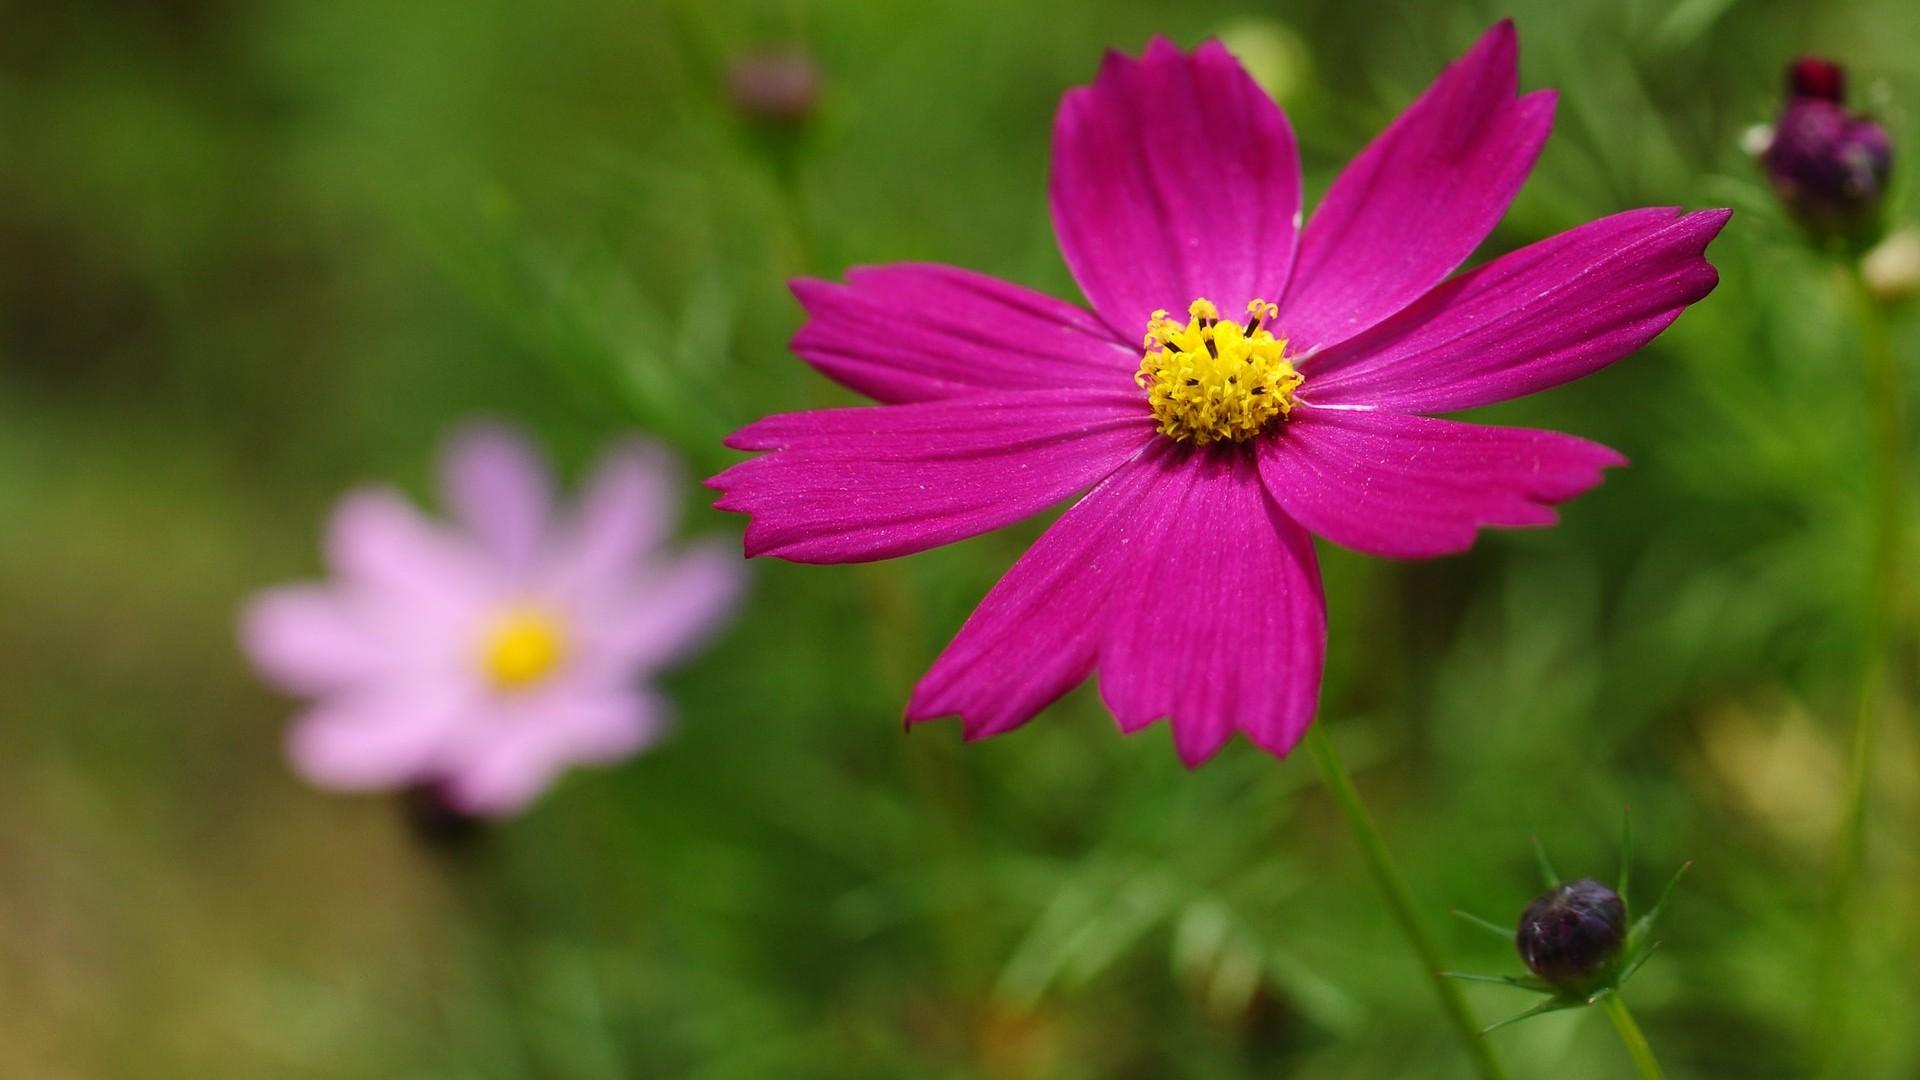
(523, 646)
(1212, 380)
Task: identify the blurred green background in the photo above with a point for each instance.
(252, 253)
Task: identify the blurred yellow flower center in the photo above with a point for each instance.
(522, 647)
(1212, 380)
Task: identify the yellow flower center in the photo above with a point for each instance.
(522, 647)
(1212, 380)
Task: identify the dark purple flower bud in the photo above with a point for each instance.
(1572, 932)
(1817, 77)
(778, 88)
(1828, 166)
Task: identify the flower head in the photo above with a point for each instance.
(1829, 166)
(1572, 931)
(1212, 448)
(1214, 380)
(474, 661)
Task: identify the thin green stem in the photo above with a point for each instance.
(1630, 1034)
(1400, 901)
(496, 932)
(1886, 410)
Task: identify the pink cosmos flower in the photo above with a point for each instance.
(1218, 442)
(485, 657)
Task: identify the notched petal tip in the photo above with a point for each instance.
(1195, 751)
(1161, 49)
(761, 435)
(753, 545)
(754, 541)
(1493, 57)
(1281, 747)
(802, 287)
(816, 295)
(1539, 107)
(926, 707)
(920, 711)
(1705, 224)
(1500, 39)
(935, 698)
(1194, 755)
(1214, 50)
(973, 732)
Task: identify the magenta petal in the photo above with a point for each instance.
(1412, 486)
(1548, 313)
(1174, 177)
(379, 737)
(848, 485)
(1037, 632)
(1222, 624)
(919, 332)
(501, 775)
(307, 639)
(1196, 598)
(1419, 199)
(500, 489)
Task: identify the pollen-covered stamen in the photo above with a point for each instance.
(523, 646)
(1211, 380)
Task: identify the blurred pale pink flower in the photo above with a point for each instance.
(484, 656)
(1212, 447)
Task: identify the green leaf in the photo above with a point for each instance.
(1626, 855)
(1645, 922)
(1547, 872)
(1553, 1004)
(1488, 925)
(1639, 958)
(1518, 982)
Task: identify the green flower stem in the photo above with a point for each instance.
(1630, 1034)
(495, 929)
(1886, 410)
(1400, 901)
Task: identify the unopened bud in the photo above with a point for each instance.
(1828, 166)
(779, 88)
(1817, 77)
(1572, 932)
